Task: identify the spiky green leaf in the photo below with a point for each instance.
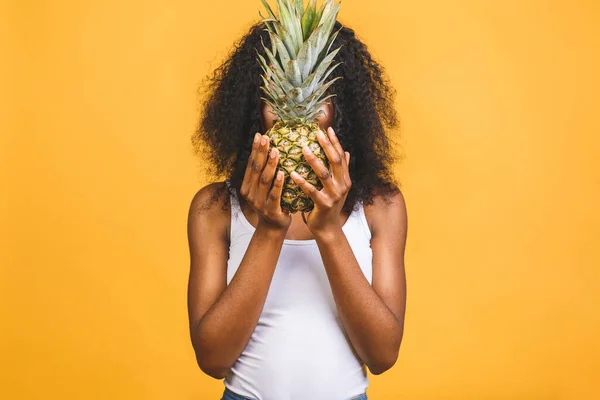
(276, 65)
(327, 5)
(284, 56)
(328, 20)
(287, 39)
(305, 60)
(299, 8)
(278, 74)
(292, 73)
(290, 23)
(307, 21)
(318, 16)
(315, 97)
(269, 10)
(322, 67)
(296, 95)
(330, 42)
(317, 83)
(270, 78)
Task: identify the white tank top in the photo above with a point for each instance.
(299, 349)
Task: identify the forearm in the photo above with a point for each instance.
(372, 328)
(225, 329)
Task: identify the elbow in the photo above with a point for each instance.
(212, 369)
(215, 372)
(385, 361)
(379, 367)
(387, 358)
(209, 361)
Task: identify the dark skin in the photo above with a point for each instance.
(372, 315)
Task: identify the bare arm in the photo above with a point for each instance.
(372, 315)
(222, 317)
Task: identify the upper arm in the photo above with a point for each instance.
(208, 243)
(388, 222)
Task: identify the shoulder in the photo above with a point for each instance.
(209, 209)
(387, 212)
(210, 197)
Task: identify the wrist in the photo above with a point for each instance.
(272, 231)
(330, 235)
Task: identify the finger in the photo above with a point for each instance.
(347, 176)
(307, 188)
(334, 140)
(245, 188)
(320, 169)
(338, 146)
(258, 165)
(274, 199)
(336, 160)
(264, 183)
(336, 143)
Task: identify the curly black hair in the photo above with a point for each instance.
(363, 105)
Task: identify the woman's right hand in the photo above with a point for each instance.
(256, 186)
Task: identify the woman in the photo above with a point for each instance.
(281, 307)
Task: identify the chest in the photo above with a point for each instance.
(300, 278)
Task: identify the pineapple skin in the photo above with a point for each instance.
(289, 139)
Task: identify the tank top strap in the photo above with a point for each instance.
(232, 198)
(362, 220)
(239, 225)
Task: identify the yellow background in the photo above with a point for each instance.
(500, 129)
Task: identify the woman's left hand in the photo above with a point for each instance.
(325, 216)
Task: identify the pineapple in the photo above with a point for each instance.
(299, 61)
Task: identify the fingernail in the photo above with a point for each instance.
(256, 136)
(321, 134)
(279, 175)
(306, 150)
(273, 153)
(330, 129)
(263, 141)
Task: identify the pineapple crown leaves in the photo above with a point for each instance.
(300, 58)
